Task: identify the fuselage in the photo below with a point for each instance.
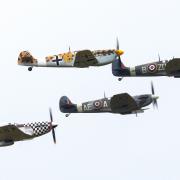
(70, 59)
(103, 105)
(149, 69)
(158, 68)
(19, 132)
(35, 129)
(98, 106)
(32, 130)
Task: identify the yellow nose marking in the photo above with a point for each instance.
(119, 52)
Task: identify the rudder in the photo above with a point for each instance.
(66, 106)
(119, 69)
(25, 57)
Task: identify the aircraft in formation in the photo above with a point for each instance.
(119, 104)
(19, 132)
(87, 58)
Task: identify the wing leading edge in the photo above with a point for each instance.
(85, 58)
(173, 66)
(12, 133)
(123, 103)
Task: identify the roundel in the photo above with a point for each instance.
(152, 68)
(97, 104)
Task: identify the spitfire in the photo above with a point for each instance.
(19, 132)
(158, 68)
(119, 104)
(79, 59)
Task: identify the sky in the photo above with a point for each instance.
(89, 146)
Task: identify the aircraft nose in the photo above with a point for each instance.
(54, 125)
(119, 52)
(155, 97)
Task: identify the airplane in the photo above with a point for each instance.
(118, 104)
(11, 133)
(159, 68)
(79, 59)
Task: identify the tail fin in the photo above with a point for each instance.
(66, 106)
(118, 68)
(25, 57)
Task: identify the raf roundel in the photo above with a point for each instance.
(152, 68)
(97, 104)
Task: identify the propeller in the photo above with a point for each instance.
(159, 57)
(119, 52)
(52, 126)
(117, 49)
(117, 45)
(154, 98)
(104, 94)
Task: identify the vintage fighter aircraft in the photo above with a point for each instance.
(19, 132)
(80, 59)
(159, 68)
(119, 104)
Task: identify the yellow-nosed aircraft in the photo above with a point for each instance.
(80, 59)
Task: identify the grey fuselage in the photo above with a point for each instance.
(103, 105)
(158, 68)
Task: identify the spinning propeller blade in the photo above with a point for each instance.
(154, 98)
(52, 126)
(152, 88)
(117, 49)
(117, 44)
(159, 57)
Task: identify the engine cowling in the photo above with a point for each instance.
(6, 143)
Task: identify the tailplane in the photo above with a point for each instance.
(66, 106)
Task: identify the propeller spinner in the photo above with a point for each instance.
(118, 51)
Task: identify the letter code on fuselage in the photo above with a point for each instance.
(97, 105)
(153, 68)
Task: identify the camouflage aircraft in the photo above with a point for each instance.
(119, 104)
(80, 59)
(20, 132)
(159, 68)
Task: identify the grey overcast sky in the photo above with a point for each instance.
(89, 146)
